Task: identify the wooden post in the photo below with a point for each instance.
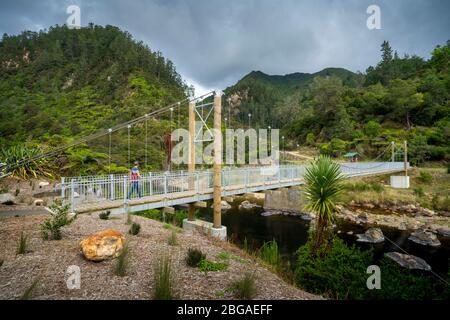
(405, 156)
(217, 161)
(393, 151)
(191, 163)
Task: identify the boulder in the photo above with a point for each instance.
(425, 237)
(38, 202)
(427, 212)
(247, 205)
(444, 232)
(223, 205)
(7, 198)
(103, 245)
(408, 261)
(271, 213)
(372, 235)
(43, 184)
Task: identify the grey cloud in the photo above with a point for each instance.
(215, 42)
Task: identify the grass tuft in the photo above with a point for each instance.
(22, 246)
(245, 288)
(122, 262)
(163, 279)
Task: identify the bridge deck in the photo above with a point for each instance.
(158, 190)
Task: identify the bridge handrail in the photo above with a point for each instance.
(113, 187)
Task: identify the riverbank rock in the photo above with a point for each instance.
(444, 232)
(38, 202)
(248, 205)
(425, 238)
(7, 198)
(103, 245)
(373, 235)
(224, 206)
(271, 213)
(408, 261)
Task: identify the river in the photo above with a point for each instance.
(291, 232)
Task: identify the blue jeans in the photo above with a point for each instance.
(135, 187)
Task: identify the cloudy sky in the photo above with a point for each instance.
(213, 43)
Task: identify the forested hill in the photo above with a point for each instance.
(272, 99)
(61, 84)
(336, 110)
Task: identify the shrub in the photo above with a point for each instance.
(448, 168)
(206, 266)
(172, 240)
(419, 192)
(194, 256)
(135, 228)
(163, 279)
(104, 215)
(245, 288)
(425, 177)
(269, 253)
(377, 187)
(34, 167)
(22, 247)
(51, 227)
(338, 271)
(122, 262)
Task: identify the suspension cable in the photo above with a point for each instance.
(91, 137)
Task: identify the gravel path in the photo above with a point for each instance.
(49, 260)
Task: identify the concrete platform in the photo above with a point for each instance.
(206, 227)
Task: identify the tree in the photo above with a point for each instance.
(386, 53)
(404, 97)
(372, 129)
(323, 183)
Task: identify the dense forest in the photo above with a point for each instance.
(401, 98)
(62, 84)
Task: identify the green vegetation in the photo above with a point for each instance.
(104, 215)
(245, 288)
(323, 184)
(134, 229)
(269, 253)
(122, 262)
(63, 84)
(175, 218)
(425, 177)
(401, 98)
(22, 248)
(13, 155)
(362, 186)
(163, 279)
(194, 256)
(172, 240)
(339, 272)
(51, 227)
(207, 266)
(28, 293)
(432, 195)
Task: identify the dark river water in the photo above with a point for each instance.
(292, 232)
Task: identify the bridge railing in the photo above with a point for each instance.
(89, 190)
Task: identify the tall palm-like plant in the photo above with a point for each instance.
(323, 183)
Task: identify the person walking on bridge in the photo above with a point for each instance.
(135, 175)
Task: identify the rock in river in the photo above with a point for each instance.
(373, 235)
(102, 245)
(247, 205)
(408, 261)
(425, 237)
